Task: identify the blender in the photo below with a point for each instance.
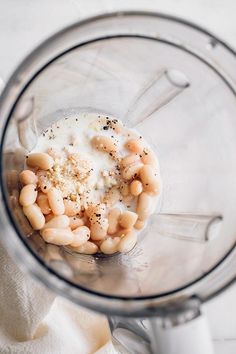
(176, 84)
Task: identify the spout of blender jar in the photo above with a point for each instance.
(187, 226)
(156, 93)
(181, 329)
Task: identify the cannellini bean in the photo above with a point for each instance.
(87, 248)
(49, 217)
(43, 181)
(129, 160)
(110, 245)
(122, 232)
(60, 237)
(28, 195)
(112, 196)
(117, 126)
(148, 157)
(127, 242)
(75, 222)
(131, 171)
(113, 220)
(56, 201)
(81, 235)
(71, 208)
(149, 179)
(136, 188)
(128, 219)
(58, 222)
(124, 189)
(104, 143)
(135, 145)
(35, 216)
(28, 177)
(41, 160)
(99, 229)
(144, 206)
(94, 209)
(42, 201)
(139, 225)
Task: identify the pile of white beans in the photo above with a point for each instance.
(100, 227)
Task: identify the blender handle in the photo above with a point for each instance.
(190, 337)
(162, 335)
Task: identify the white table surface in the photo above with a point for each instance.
(25, 23)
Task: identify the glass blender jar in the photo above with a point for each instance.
(176, 84)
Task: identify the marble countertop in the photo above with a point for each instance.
(25, 23)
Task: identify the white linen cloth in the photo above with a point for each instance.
(35, 321)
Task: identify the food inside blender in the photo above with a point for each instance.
(90, 184)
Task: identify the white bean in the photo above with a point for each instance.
(110, 245)
(113, 220)
(56, 201)
(99, 229)
(49, 217)
(129, 160)
(148, 157)
(122, 232)
(71, 208)
(139, 225)
(94, 209)
(81, 235)
(149, 179)
(128, 219)
(28, 195)
(104, 143)
(60, 237)
(131, 171)
(144, 206)
(136, 188)
(87, 248)
(40, 160)
(28, 177)
(43, 181)
(117, 126)
(35, 216)
(75, 222)
(42, 201)
(58, 222)
(127, 242)
(135, 145)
